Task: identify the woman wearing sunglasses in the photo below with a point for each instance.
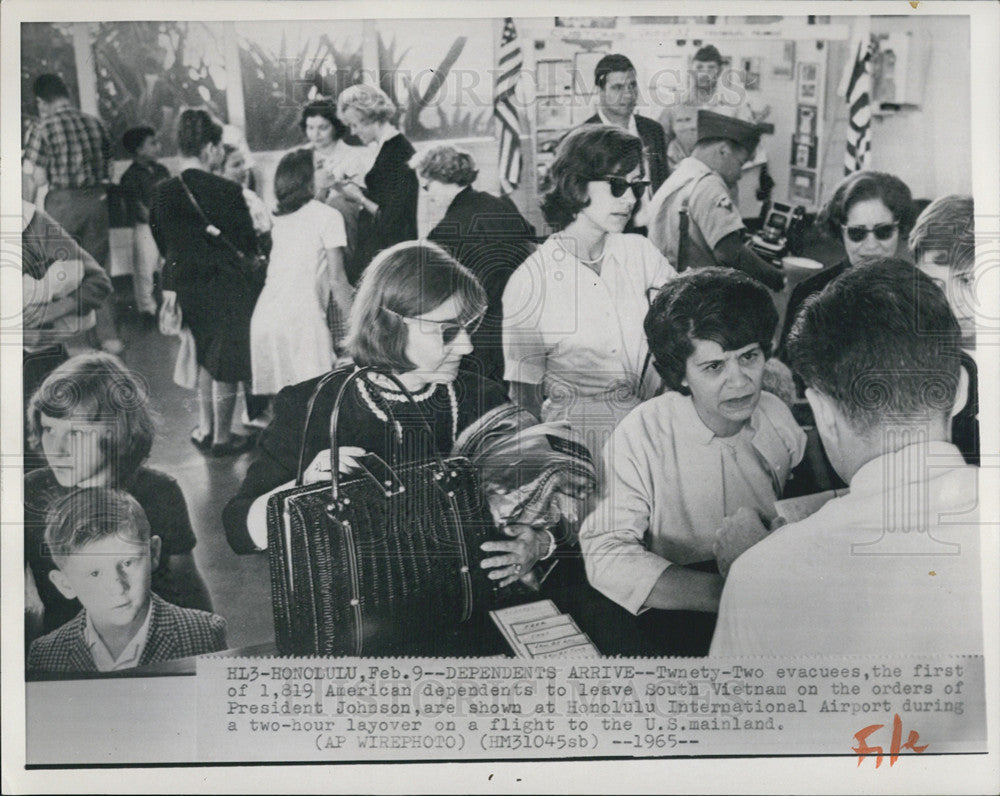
(872, 213)
(413, 317)
(573, 311)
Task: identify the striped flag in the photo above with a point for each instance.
(856, 87)
(509, 71)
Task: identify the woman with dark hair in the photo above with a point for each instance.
(334, 158)
(336, 162)
(412, 317)
(235, 167)
(289, 338)
(572, 326)
(680, 463)
(387, 195)
(872, 213)
(202, 225)
(91, 420)
(485, 233)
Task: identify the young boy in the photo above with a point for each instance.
(101, 543)
(137, 183)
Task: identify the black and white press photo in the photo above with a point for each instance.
(461, 383)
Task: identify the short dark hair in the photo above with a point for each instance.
(947, 223)
(881, 341)
(135, 137)
(864, 185)
(408, 279)
(708, 53)
(87, 515)
(49, 87)
(613, 62)
(718, 304)
(328, 110)
(293, 181)
(195, 129)
(587, 153)
(98, 387)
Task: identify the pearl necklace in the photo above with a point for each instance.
(395, 395)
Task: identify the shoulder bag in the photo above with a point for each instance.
(254, 266)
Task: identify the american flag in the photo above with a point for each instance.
(503, 107)
(858, 91)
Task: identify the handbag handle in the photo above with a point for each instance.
(334, 420)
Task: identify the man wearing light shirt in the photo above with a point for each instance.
(892, 567)
(618, 92)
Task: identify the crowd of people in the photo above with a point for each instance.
(643, 323)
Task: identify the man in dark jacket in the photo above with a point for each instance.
(618, 92)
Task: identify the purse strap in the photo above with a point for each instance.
(335, 419)
(210, 229)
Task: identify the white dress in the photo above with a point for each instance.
(289, 337)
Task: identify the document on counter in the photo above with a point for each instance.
(540, 630)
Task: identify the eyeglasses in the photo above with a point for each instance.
(449, 330)
(620, 184)
(880, 231)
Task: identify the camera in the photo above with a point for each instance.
(780, 224)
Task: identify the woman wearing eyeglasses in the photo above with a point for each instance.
(413, 316)
(573, 343)
(872, 213)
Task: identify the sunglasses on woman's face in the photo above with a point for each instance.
(880, 231)
(619, 185)
(449, 330)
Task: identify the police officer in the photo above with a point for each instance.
(692, 217)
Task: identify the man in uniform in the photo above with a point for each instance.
(680, 120)
(618, 91)
(69, 151)
(692, 217)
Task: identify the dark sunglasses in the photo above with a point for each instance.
(449, 330)
(620, 184)
(880, 231)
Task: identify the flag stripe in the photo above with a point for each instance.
(509, 124)
(858, 96)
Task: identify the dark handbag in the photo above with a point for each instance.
(254, 265)
(369, 565)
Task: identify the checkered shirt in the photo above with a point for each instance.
(71, 147)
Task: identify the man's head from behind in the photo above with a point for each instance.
(100, 540)
(49, 90)
(878, 350)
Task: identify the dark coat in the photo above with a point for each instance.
(393, 186)
(213, 291)
(489, 236)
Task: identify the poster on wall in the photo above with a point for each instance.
(808, 85)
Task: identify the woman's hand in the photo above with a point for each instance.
(351, 191)
(319, 469)
(517, 556)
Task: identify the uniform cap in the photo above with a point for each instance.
(717, 125)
